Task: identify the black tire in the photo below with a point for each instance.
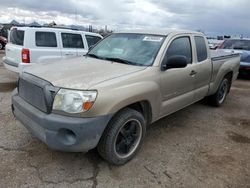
(221, 94)
(124, 132)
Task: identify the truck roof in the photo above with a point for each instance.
(163, 32)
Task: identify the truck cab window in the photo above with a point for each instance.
(201, 48)
(180, 46)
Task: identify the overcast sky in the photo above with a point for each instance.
(212, 16)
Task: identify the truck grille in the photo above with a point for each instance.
(36, 92)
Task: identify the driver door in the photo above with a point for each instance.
(177, 84)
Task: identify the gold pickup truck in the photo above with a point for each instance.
(128, 80)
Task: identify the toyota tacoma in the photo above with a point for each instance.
(129, 80)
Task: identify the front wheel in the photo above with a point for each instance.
(123, 137)
(220, 96)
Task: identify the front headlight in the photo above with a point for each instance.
(74, 101)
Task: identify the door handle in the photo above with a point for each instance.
(193, 73)
(69, 54)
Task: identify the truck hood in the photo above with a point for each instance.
(81, 72)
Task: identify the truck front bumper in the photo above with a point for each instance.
(73, 134)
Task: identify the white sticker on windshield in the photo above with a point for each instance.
(117, 51)
(152, 39)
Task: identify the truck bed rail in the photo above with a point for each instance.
(220, 55)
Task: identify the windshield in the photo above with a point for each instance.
(236, 44)
(134, 49)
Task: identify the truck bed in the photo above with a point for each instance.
(222, 63)
(220, 54)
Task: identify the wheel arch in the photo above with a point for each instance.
(143, 106)
(215, 85)
(229, 76)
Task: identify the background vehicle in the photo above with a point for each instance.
(241, 46)
(3, 42)
(32, 45)
(214, 44)
(127, 81)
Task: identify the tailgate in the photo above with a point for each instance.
(13, 53)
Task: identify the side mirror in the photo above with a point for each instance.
(175, 61)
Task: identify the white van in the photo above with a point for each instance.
(31, 45)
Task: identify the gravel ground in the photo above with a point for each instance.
(199, 146)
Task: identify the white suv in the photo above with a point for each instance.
(30, 45)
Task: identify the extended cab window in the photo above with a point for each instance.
(92, 40)
(180, 46)
(46, 39)
(201, 48)
(16, 37)
(71, 40)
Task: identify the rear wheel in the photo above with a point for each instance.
(220, 96)
(123, 137)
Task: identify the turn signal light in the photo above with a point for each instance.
(87, 105)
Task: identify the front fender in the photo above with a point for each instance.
(112, 100)
(143, 91)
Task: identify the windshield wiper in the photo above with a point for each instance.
(115, 59)
(118, 60)
(95, 56)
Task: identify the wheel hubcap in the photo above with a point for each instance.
(223, 91)
(128, 138)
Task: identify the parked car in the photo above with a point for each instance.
(241, 46)
(126, 82)
(214, 44)
(3, 42)
(33, 45)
